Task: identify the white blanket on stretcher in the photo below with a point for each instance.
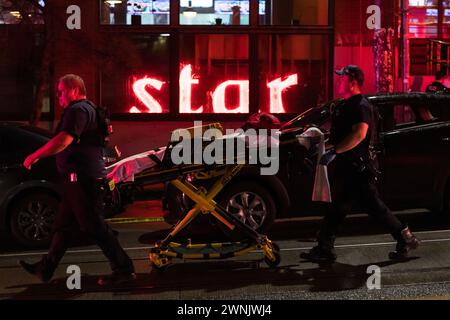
(321, 191)
(125, 169)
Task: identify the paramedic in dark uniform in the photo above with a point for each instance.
(351, 179)
(78, 149)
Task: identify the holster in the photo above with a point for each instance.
(366, 168)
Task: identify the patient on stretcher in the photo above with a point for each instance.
(124, 170)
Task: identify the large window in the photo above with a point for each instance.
(446, 19)
(214, 75)
(135, 74)
(428, 26)
(293, 12)
(429, 18)
(135, 12)
(423, 18)
(20, 63)
(214, 12)
(15, 12)
(235, 70)
(293, 72)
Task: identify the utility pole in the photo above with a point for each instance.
(404, 54)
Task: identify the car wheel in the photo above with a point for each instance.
(176, 207)
(113, 203)
(447, 198)
(32, 217)
(251, 203)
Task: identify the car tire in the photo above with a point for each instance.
(178, 205)
(447, 198)
(175, 207)
(113, 203)
(31, 219)
(257, 212)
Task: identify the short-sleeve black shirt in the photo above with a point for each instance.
(84, 155)
(354, 110)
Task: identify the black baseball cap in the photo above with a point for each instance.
(354, 71)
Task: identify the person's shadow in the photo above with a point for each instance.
(214, 277)
(329, 277)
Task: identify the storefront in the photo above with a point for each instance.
(428, 38)
(159, 64)
(212, 60)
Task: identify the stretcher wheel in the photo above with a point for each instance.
(276, 252)
(158, 268)
(276, 262)
(275, 247)
(159, 262)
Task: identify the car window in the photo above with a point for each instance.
(403, 116)
(424, 114)
(317, 116)
(2, 146)
(38, 131)
(7, 155)
(17, 142)
(440, 111)
(6, 145)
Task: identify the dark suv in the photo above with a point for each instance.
(413, 150)
(29, 199)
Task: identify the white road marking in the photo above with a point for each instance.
(366, 244)
(69, 251)
(435, 231)
(284, 249)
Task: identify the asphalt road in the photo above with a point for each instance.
(426, 275)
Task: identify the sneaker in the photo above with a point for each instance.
(410, 242)
(37, 269)
(317, 254)
(117, 279)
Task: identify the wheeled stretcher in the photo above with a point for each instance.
(157, 167)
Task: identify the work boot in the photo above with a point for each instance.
(319, 254)
(407, 243)
(39, 269)
(117, 279)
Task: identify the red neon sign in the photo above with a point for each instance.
(146, 98)
(186, 82)
(276, 92)
(219, 101)
(219, 104)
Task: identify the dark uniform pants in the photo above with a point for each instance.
(83, 202)
(348, 187)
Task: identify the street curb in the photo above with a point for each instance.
(134, 220)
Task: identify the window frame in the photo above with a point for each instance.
(36, 30)
(253, 30)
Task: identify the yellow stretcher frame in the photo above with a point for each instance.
(164, 251)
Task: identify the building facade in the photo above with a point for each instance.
(160, 64)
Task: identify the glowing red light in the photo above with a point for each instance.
(219, 103)
(186, 82)
(276, 92)
(146, 98)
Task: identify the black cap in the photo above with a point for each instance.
(353, 71)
